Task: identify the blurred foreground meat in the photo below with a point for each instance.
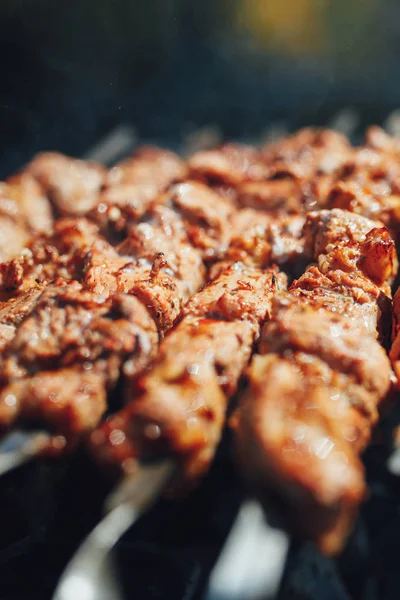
(24, 210)
(177, 408)
(315, 388)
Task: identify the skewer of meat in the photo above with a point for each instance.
(66, 347)
(177, 407)
(167, 231)
(315, 388)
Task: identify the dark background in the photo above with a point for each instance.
(70, 71)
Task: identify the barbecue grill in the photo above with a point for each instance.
(192, 78)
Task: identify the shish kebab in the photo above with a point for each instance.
(68, 326)
(315, 388)
(367, 182)
(347, 294)
(186, 421)
(352, 281)
(247, 163)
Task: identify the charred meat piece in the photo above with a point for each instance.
(338, 239)
(60, 335)
(206, 215)
(61, 253)
(315, 388)
(300, 171)
(301, 168)
(230, 164)
(155, 262)
(178, 406)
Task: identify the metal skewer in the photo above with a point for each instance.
(19, 447)
(89, 575)
(252, 562)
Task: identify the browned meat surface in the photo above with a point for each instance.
(32, 203)
(368, 182)
(204, 214)
(61, 253)
(115, 264)
(62, 332)
(262, 239)
(133, 184)
(315, 388)
(24, 210)
(71, 185)
(338, 239)
(150, 169)
(308, 152)
(178, 406)
(231, 164)
(395, 349)
(291, 176)
(155, 262)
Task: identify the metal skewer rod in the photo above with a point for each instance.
(89, 575)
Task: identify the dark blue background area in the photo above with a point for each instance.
(72, 71)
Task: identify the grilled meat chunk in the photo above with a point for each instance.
(290, 176)
(133, 184)
(368, 182)
(204, 213)
(395, 349)
(231, 164)
(315, 388)
(261, 239)
(63, 331)
(71, 185)
(24, 210)
(178, 406)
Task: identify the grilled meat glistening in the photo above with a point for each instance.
(161, 272)
(316, 385)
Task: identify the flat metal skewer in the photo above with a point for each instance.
(19, 446)
(89, 575)
(253, 559)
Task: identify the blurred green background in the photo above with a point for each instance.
(73, 70)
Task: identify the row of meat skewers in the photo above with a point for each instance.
(168, 275)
